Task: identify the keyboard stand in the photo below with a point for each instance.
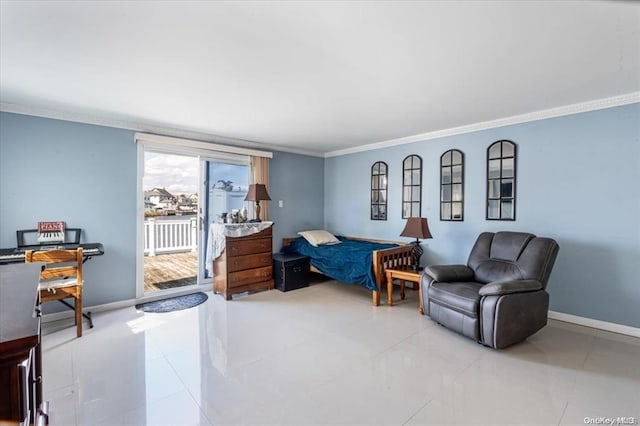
(13, 255)
(87, 315)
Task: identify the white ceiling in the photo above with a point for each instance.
(314, 76)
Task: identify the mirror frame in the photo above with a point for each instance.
(500, 179)
(448, 186)
(411, 185)
(378, 191)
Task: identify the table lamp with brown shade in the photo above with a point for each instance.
(257, 192)
(417, 228)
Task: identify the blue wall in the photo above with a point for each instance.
(79, 173)
(578, 182)
(86, 175)
(298, 181)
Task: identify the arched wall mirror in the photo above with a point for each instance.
(379, 172)
(501, 181)
(452, 185)
(411, 186)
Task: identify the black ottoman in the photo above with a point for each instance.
(290, 271)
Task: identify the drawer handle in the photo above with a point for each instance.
(234, 248)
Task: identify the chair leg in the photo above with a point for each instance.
(78, 310)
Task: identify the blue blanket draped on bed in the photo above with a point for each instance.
(349, 262)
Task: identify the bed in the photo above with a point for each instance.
(357, 261)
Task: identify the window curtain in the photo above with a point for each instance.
(260, 174)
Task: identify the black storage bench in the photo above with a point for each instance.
(290, 271)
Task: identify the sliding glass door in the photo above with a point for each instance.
(171, 197)
(182, 192)
(225, 186)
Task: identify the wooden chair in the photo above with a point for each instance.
(61, 278)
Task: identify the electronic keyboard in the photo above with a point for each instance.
(51, 237)
(16, 255)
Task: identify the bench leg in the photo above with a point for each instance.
(389, 289)
(376, 297)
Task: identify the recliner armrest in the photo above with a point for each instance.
(498, 288)
(449, 273)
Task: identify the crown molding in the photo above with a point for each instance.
(628, 98)
(137, 126)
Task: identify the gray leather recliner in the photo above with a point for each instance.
(499, 297)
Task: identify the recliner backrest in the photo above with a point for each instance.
(512, 256)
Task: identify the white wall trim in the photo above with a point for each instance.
(126, 124)
(629, 98)
(593, 105)
(140, 150)
(559, 316)
(593, 323)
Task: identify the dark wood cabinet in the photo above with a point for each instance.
(20, 353)
(244, 265)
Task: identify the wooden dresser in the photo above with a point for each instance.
(20, 354)
(244, 265)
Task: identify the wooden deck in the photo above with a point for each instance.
(172, 270)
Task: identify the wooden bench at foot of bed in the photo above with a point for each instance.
(382, 260)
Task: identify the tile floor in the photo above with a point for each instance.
(324, 355)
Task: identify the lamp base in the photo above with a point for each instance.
(417, 254)
(257, 219)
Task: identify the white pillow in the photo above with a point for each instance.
(319, 237)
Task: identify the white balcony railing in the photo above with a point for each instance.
(170, 236)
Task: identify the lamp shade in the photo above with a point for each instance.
(416, 227)
(257, 192)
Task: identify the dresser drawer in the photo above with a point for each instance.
(239, 263)
(240, 278)
(241, 248)
(245, 265)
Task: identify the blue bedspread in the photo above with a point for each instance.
(349, 262)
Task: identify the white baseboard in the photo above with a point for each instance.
(559, 316)
(593, 323)
(57, 316)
